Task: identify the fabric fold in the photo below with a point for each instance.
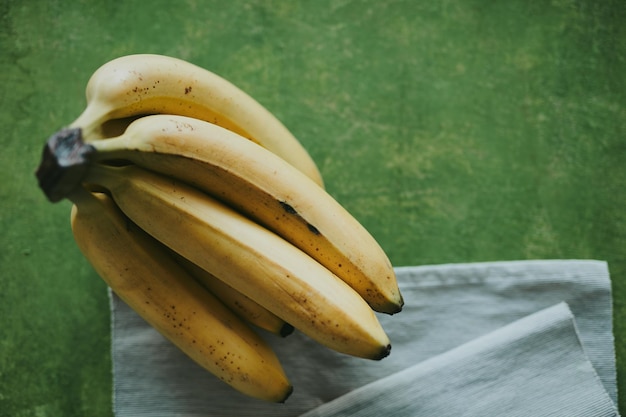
(535, 366)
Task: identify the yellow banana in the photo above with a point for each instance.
(267, 189)
(243, 306)
(249, 257)
(141, 84)
(157, 288)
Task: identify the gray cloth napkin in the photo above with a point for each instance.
(535, 366)
(519, 338)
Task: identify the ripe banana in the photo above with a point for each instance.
(136, 85)
(264, 187)
(249, 257)
(142, 273)
(241, 305)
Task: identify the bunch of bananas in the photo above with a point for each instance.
(206, 216)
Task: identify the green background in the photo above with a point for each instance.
(455, 131)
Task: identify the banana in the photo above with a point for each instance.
(249, 257)
(158, 289)
(264, 187)
(241, 305)
(136, 85)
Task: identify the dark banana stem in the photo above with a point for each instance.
(64, 162)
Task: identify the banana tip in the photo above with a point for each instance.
(384, 352)
(395, 307)
(287, 395)
(391, 308)
(286, 330)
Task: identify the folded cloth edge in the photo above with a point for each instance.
(594, 272)
(352, 402)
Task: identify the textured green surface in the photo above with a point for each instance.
(456, 131)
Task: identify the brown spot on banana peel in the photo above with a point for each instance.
(385, 307)
(313, 229)
(290, 210)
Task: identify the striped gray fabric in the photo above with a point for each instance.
(519, 338)
(532, 367)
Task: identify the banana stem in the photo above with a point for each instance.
(64, 163)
